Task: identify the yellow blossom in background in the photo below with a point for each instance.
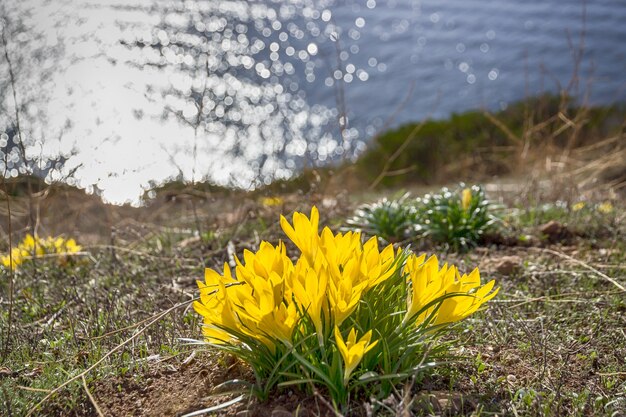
(34, 246)
(466, 199)
(578, 206)
(13, 260)
(352, 351)
(605, 207)
(272, 201)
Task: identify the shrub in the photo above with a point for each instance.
(345, 317)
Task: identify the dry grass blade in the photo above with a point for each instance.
(91, 397)
(585, 265)
(327, 404)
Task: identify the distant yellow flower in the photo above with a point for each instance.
(71, 246)
(466, 199)
(272, 201)
(352, 351)
(578, 206)
(14, 259)
(34, 246)
(605, 207)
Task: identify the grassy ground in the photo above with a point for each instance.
(102, 334)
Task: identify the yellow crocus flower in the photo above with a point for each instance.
(72, 247)
(272, 201)
(215, 306)
(466, 199)
(458, 307)
(605, 207)
(16, 256)
(257, 303)
(33, 246)
(345, 290)
(304, 232)
(309, 290)
(352, 351)
(377, 266)
(429, 282)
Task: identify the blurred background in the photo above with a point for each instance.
(118, 97)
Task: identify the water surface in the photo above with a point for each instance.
(244, 92)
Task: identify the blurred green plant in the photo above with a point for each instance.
(457, 218)
(393, 220)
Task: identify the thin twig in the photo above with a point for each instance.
(327, 404)
(91, 397)
(33, 389)
(20, 139)
(5, 352)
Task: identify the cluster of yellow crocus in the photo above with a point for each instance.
(269, 295)
(33, 246)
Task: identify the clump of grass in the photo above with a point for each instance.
(583, 218)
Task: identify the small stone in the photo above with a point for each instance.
(508, 265)
(554, 230)
(280, 411)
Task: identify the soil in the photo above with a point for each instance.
(169, 390)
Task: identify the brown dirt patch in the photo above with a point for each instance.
(178, 390)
